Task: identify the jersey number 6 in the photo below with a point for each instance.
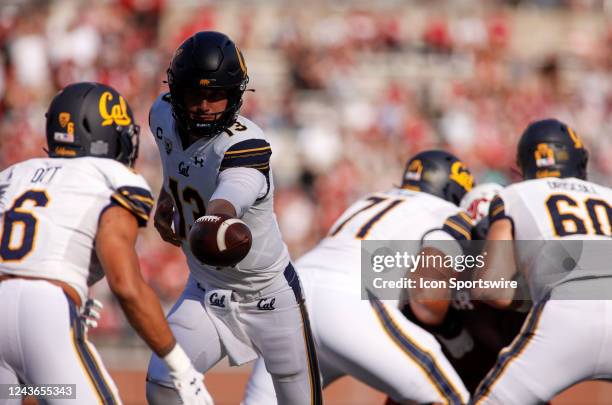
(21, 218)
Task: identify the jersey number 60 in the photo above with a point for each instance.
(573, 220)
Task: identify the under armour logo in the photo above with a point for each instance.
(216, 301)
(183, 169)
(198, 161)
(266, 305)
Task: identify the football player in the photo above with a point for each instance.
(554, 209)
(472, 333)
(68, 220)
(218, 162)
(370, 339)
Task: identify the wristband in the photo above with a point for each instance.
(177, 360)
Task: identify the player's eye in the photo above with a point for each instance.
(214, 95)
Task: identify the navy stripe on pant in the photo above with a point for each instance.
(87, 358)
(313, 365)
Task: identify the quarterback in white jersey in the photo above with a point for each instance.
(67, 221)
(554, 209)
(217, 162)
(371, 340)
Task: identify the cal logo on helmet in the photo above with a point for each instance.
(118, 112)
(460, 174)
(91, 119)
(438, 173)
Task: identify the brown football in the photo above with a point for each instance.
(220, 240)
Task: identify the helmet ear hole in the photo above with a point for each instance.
(86, 125)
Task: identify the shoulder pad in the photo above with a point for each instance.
(459, 226)
(497, 209)
(138, 201)
(251, 153)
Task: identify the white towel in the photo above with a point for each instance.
(224, 314)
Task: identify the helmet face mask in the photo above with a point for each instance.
(550, 148)
(438, 173)
(92, 119)
(129, 139)
(207, 64)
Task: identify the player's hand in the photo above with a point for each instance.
(459, 345)
(163, 219)
(190, 386)
(91, 313)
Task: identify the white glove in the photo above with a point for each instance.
(91, 313)
(188, 381)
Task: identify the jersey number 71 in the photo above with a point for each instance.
(363, 231)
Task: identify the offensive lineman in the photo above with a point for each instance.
(472, 333)
(555, 207)
(218, 162)
(370, 339)
(67, 221)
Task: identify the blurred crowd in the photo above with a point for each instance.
(346, 91)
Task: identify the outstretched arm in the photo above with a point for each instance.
(115, 246)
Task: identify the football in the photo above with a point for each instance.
(220, 240)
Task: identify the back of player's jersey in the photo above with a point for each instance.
(562, 227)
(394, 215)
(551, 208)
(49, 212)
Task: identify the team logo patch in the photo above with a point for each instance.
(544, 156)
(183, 169)
(461, 175)
(167, 146)
(198, 161)
(217, 301)
(64, 119)
(414, 171)
(266, 304)
(118, 112)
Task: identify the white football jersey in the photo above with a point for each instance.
(50, 208)
(397, 214)
(567, 211)
(552, 208)
(191, 176)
